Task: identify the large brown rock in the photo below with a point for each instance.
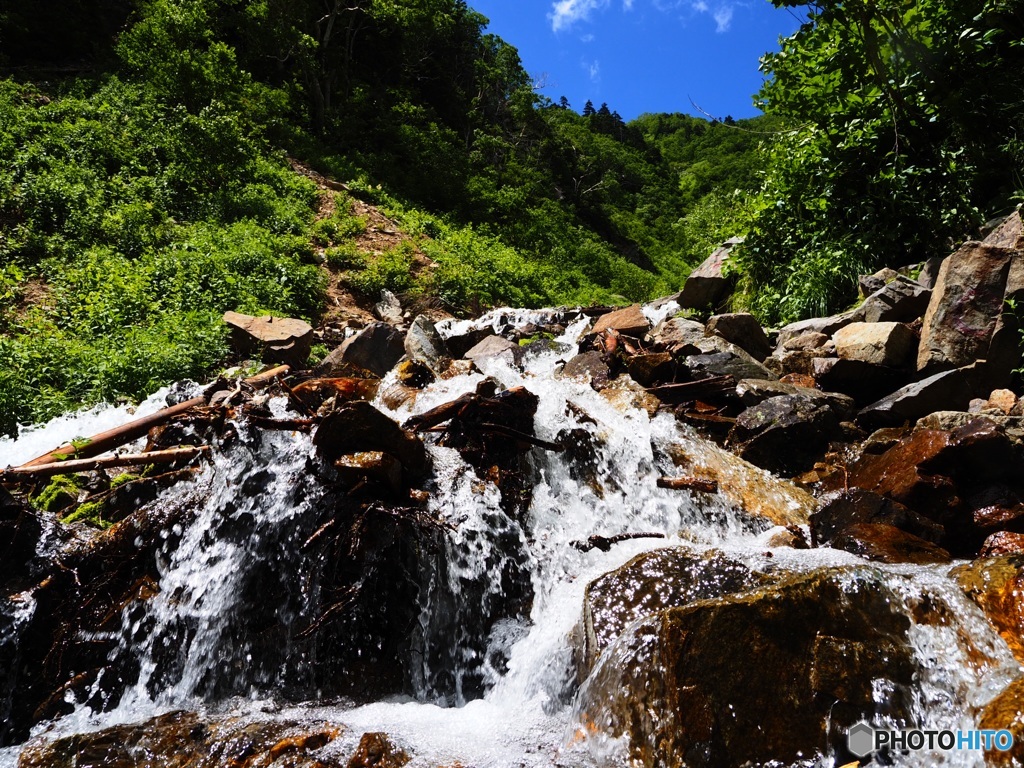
(743, 330)
(965, 306)
(770, 676)
(708, 284)
(630, 321)
(650, 582)
(901, 300)
(996, 584)
(1006, 712)
(677, 334)
(183, 740)
(275, 339)
(841, 509)
(1009, 234)
(887, 544)
(889, 344)
(589, 367)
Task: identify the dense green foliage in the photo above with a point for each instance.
(145, 187)
(905, 123)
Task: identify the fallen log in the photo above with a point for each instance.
(114, 438)
(688, 484)
(604, 543)
(90, 465)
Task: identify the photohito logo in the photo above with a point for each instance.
(862, 740)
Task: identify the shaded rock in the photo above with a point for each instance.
(707, 285)
(676, 334)
(868, 284)
(844, 508)
(806, 341)
(1002, 543)
(589, 367)
(948, 390)
(359, 427)
(930, 272)
(652, 368)
(372, 465)
(416, 375)
(888, 344)
(964, 308)
(1006, 712)
(996, 584)
(1009, 234)
(887, 544)
(459, 345)
(183, 740)
(865, 382)
(376, 348)
(630, 321)
(755, 391)
(902, 301)
(495, 346)
(785, 434)
(743, 330)
(423, 344)
(773, 675)
(273, 339)
(720, 358)
(389, 308)
(650, 582)
(795, 363)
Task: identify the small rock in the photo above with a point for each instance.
(887, 544)
(651, 368)
(275, 339)
(495, 346)
(825, 326)
(677, 334)
(888, 344)
(1009, 234)
(389, 308)
(930, 272)
(377, 750)
(799, 380)
(589, 367)
(721, 358)
(1003, 400)
(743, 330)
(630, 321)
(626, 395)
(869, 284)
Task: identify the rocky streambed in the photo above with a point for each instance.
(564, 537)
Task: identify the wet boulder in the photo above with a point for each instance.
(1002, 543)
(495, 346)
(844, 508)
(184, 740)
(743, 330)
(376, 348)
(589, 367)
(889, 344)
(272, 339)
(358, 427)
(652, 368)
(1006, 712)
(884, 543)
(996, 585)
(772, 675)
(785, 434)
(755, 391)
(649, 583)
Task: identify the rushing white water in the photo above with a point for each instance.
(510, 702)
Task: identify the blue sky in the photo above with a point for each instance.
(644, 55)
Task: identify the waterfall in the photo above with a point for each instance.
(488, 672)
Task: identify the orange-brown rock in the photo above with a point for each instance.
(316, 392)
(377, 750)
(1006, 712)
(887, 544)
(996, 584)
(630, 321)
(1002, 543)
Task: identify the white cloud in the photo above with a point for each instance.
(594, 70)
(700, 6)
(627, 5)
(565, 13)
(723, 18)
(587, 38)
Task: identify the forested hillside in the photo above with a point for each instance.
(146, 183)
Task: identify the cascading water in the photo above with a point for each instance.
(491, 677)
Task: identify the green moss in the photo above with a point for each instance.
(91, 513)
(61, 492)
(122, 479)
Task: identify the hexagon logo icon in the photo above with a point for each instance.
(860, 739)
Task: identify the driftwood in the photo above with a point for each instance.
(688, 484)
(691, 390)
(604, 543)
(114, 438)
(89, 465)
